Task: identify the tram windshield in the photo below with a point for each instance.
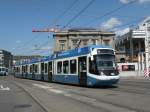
(104, 60)
(103, 64)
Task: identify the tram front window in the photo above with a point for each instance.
(105, 61)
(103, 64)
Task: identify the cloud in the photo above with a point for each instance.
(43, 48)
(142, 1)
(18, 41)
(122, 31)
(125, 1)
(111, 23)
(139, 1)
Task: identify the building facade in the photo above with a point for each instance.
(74, 38)
(6, 59)
(134, 45)
(129, 45)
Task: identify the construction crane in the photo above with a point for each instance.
(46, 30)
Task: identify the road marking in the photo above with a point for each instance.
(56, 91)
(4, 89)
(42, 86)
(49, 88)
(85, 99)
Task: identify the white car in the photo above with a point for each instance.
(3, 71)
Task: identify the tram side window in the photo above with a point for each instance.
(36, 68)
(42, 68)
(92, 67)
(59, 67)
(50, 66)
(30, 68)
(23, 67)
(45, 67)
(26, 68)
(66, 67)
(19, 69)
(73, 67)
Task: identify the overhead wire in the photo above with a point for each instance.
(130, 23)
(79, 13)
(53, 23)
(110, 12)
(64, 12)
(84, 9)
(22, 46)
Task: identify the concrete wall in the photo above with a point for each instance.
(129, 73)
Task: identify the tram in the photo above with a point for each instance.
(92, 65)
(3, 71)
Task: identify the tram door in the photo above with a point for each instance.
(42, 71)
(82, 70)
(50, 71)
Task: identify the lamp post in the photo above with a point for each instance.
(147, 48)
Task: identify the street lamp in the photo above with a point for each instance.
(147, 48)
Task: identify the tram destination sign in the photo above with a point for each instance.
(105, 51)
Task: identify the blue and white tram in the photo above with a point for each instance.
(88, 66)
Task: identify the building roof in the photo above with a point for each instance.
(2, 50)
(83, 31)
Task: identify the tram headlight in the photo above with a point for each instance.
(102, 73)
(112, 74)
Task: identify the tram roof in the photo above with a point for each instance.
(63, 54)
(78, 51)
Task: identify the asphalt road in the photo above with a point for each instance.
(131, 95)
(14, 99)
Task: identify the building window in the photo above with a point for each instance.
(66, 67)
(106, 42)
(73, 67)
(59, 67)
(62, 44)
(94, 42)
(74, 42)
(85, 42)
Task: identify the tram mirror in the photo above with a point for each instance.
(92, 58)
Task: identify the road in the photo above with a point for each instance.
(14, 99)
(131, 95)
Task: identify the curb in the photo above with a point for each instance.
(132, 77)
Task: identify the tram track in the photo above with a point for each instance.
(100, 100)
(130, 89)
(94, 103)
(139, 84)
(82, 93)
(88, 95)
(146, 86)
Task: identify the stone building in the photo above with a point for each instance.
(6, 59)
(79, 37)
(134, 45)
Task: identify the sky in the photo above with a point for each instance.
(19, 17)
